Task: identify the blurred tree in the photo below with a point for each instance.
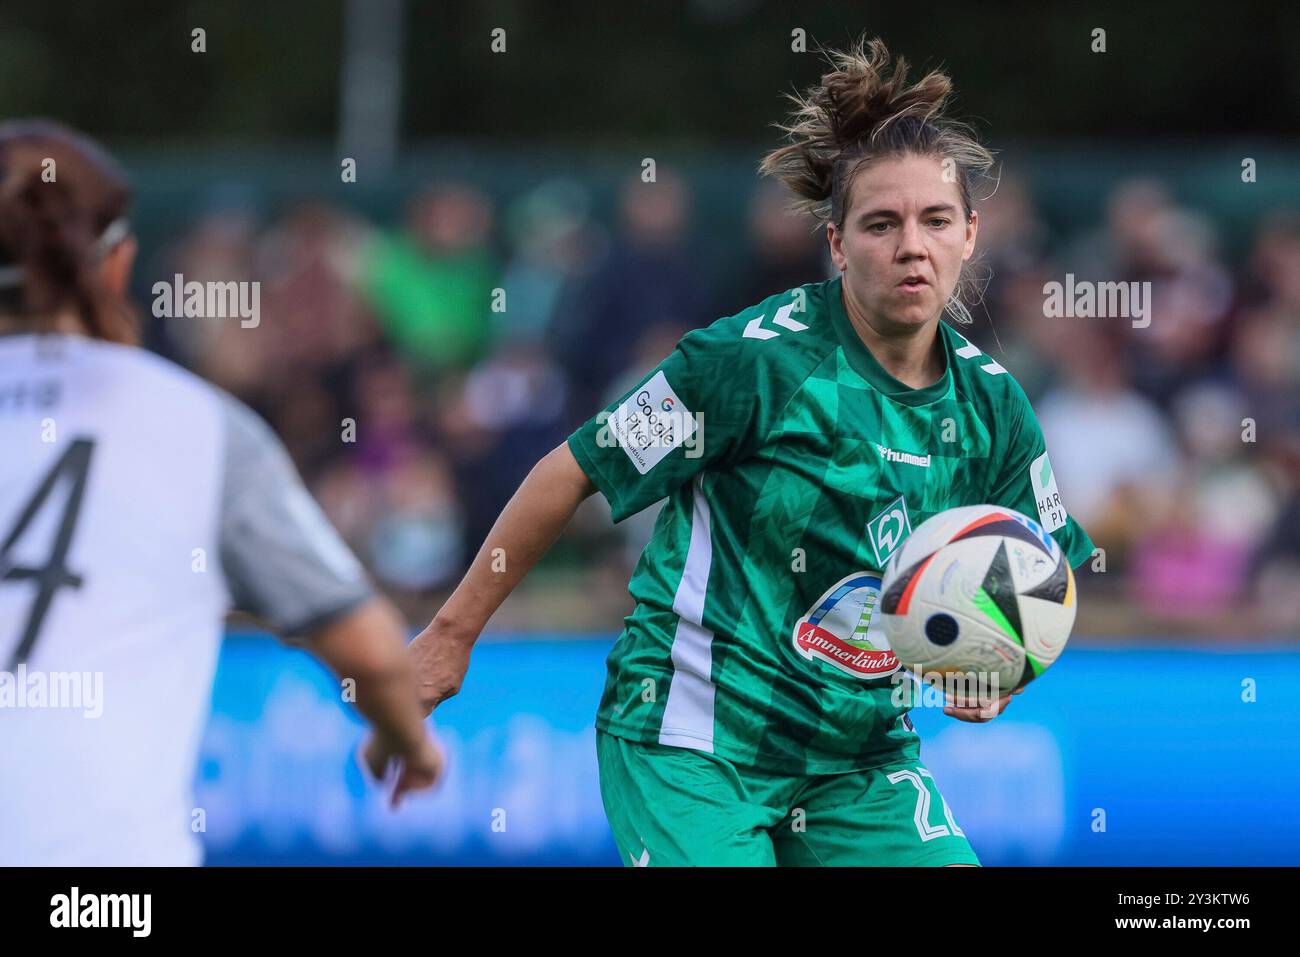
(647, 74)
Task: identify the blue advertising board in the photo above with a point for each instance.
(1124, 755)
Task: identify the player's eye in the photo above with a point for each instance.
(939, 221)
(878, 227)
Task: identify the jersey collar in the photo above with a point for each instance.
(866, 364)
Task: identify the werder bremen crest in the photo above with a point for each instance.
(888, 530)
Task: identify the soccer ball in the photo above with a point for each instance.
(979, 589)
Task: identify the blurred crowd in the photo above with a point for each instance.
(416, 371)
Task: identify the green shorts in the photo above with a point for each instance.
(674, 807)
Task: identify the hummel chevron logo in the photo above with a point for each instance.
(970, 351)
(782, 318)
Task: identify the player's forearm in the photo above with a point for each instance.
(527, 527)
(368, 646)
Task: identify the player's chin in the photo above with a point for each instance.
(914, 313)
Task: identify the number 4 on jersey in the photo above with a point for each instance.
(74, 464)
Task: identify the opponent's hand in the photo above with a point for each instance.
(976, 711)
(418, 768)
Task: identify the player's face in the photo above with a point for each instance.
(904, 239)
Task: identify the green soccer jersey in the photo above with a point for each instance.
(793, 466)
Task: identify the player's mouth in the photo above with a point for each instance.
(914, 284)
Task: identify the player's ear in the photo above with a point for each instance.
(115, 267)
(972, 228)
(835, 240)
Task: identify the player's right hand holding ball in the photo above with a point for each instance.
(976, 711)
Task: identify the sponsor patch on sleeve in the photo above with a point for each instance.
(651, 423)
(1051, 513)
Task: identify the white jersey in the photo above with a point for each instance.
(138, 504)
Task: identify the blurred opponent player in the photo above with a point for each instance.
(138, 504)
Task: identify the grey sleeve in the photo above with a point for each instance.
(282, 560)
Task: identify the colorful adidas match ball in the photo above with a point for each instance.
(980, 589)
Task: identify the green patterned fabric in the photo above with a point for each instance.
(793, 465)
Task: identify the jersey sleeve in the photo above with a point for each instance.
(282, 560)
(695, 410)
(1027, 483)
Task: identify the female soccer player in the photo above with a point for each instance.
(137, 504)
(797, 443)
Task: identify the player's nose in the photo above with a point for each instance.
(910, 246)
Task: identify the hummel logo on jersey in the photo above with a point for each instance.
(907, 458)
(755, 330)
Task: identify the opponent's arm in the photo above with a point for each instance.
(284, 564)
